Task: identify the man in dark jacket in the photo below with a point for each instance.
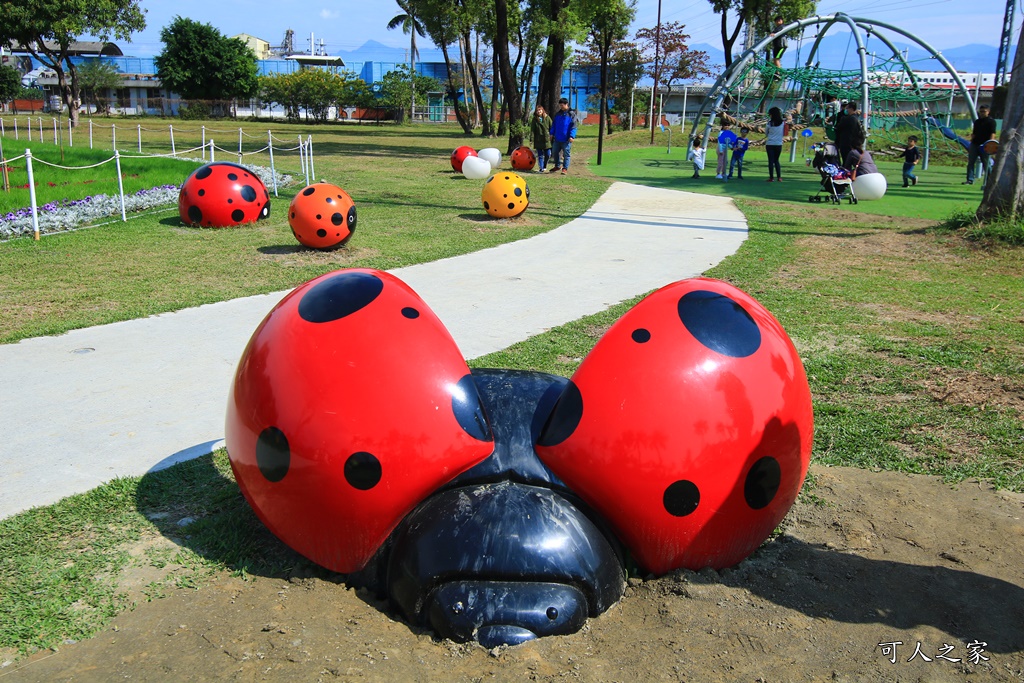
(984, 130)
(563, 132)
(848, 129)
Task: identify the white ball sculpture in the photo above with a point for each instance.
(492, 155)
(476, 168)
(869, 186)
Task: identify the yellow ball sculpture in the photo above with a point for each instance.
(505, 195)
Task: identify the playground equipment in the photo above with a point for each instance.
(523, 158)
(476, 168)
(505, 195)
(884, 89)
(459, 156)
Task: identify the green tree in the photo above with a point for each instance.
(10, 83)
(396, 90)
(561, 20)
(441, 23)
(609, 24)
(47, 28)
(1004, 189)
(96, 77)
(410, 26)
(315, 91)
(760, 13)
(199, 63)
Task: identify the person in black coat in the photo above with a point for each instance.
(848, 129)
(984, 130)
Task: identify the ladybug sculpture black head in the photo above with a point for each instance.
(497, 505)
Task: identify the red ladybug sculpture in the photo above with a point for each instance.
(322, 216)
(688, 427)
(350, 405)
(494, 505)
(523, 158)
(459, 155)
(221, 195)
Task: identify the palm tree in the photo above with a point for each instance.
(410, 24)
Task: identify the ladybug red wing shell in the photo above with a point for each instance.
(351, 403)
(688, 426)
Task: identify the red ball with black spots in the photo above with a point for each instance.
(351, 404)
(688, 426)
(222, 195)
(523, 158)
(322, 216)
(459, 155)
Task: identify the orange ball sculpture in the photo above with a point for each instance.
(322, 216)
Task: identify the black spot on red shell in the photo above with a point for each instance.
(339, 296)
(469, 409)
(363, 470)
(564, 418)
(273, 456)
(762, 482)
(681, 498)
(719, 323)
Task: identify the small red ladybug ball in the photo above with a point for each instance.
(322, 216)
(222, 195)
(523, 158)
(459, 155)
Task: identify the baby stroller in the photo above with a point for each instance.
(835, 180)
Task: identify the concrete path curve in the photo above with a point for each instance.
(126, 398)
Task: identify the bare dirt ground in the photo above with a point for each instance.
(866, 559)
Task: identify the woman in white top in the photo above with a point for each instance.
(775, 129)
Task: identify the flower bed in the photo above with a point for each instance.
(71, 213)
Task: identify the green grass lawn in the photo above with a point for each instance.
(912, 338)
(938, 194)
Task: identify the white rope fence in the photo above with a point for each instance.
(304, 148)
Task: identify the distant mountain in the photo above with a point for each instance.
(373, 51)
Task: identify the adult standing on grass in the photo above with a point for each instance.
(776, 131)
(563, 132)
(848, 128)
(540, 124)
(984, 130)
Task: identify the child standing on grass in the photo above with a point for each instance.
(739, 148)
(726, 141)
(911, 155)
(696, 155)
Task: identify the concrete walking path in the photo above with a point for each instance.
(126, 398)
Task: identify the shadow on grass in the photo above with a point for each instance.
(198, 505)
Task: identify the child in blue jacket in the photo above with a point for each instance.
(563, 132)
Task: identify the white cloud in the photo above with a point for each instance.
(329, 14)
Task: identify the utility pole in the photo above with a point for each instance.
(1004, 43)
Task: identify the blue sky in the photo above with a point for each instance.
(348, 24)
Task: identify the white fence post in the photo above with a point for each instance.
(71, 134)
(204, 144)
(90, 133)
(239, 146)
(173, 152)
(309, 153)
(212, 151)
(140, 138)
(120, 183)
(29, 128)
(32, 191)
(113, 136)
(270, 146)
(40, 119)
(55, 131)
